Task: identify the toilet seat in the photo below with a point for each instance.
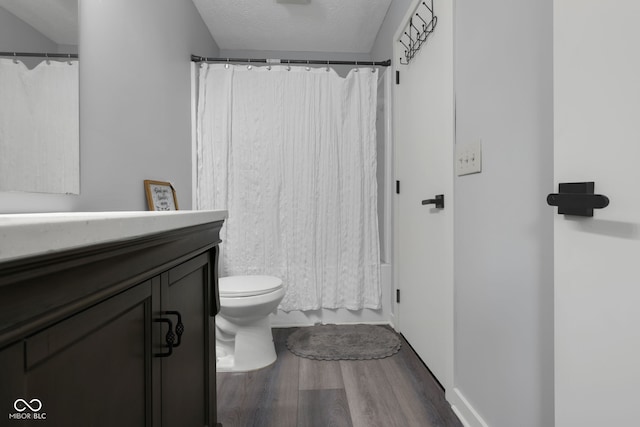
(247, 286)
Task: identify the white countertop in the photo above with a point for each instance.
(23, 235)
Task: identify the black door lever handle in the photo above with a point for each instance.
(438, 201)
(591, 201)
(577, 198)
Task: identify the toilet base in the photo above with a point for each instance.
(243, 348)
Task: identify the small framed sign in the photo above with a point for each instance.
(161, 196)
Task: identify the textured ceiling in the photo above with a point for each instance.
(56, 19)
(318, 26)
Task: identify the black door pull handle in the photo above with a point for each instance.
(438, 201)
(169, 337)
(577, 198)
(179, 327)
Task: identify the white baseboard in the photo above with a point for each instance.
(468, 416)
(393, 322)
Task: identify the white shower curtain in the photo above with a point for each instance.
(291, 154)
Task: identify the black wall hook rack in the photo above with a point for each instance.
(415, 36)
(577, 198)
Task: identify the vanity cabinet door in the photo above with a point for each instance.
(92, 368)
(188, 374)
(12, 384)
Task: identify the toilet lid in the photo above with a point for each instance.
(245, 286)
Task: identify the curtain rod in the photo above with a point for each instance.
(196, 58)
(40, 55)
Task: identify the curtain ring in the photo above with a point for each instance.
(356, 69)
(227, 64)
(327, 66)
(15, 58)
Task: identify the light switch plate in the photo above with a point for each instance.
(469, 158)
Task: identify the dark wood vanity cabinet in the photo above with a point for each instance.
(89, 368)
(113, 335)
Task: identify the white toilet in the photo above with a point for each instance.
(243, 332)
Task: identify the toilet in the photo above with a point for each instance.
(243, 332)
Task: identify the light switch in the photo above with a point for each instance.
(469, 158)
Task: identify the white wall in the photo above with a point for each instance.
(278, 54)
(18, 36)
(135, 95)
(503, 227)
(383, 46)
(135, 98)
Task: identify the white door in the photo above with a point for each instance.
(423, 138)
(597, 260)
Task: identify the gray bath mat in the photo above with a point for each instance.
(344, 342)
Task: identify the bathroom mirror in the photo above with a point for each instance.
(39, 111)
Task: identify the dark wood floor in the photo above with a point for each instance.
(397, 391)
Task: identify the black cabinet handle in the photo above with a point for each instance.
(169, 337)
(577, 198)
(179, 327)
(438, 201)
